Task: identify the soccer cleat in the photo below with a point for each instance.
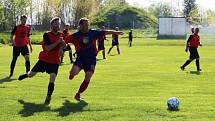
(21, 77)
(182, 68)
(47, 101)
(78, 97)
(199, 70)
(9, 77)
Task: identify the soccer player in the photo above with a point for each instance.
(49, 57)
(68, 47)
(115, 41)
(20, 38)
(84, 41)
(101, 46)
(130, 36)
(192, 44)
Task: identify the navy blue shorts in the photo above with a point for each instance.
(86, 64)
(115, 42)
(193, 53)
(23, 50)
(42, 66)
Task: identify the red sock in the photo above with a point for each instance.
(83, 86)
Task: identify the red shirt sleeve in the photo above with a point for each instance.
(69, 39)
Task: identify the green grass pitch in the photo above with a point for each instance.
(133, 86)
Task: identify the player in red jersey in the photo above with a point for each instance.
(20, 39)
(192, 44)
(115, 41)
(85, 45)
(49, 57)
(101, 46)
(68, 47)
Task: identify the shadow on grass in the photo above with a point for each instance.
(113, 54)
(6, 79)
(69, 107)
(98, 59)
(195, 72)
(30, 108)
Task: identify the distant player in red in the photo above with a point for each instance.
(115, 41)
(68, 47)
(101, 46)
(49, 57)
(20, 39)
(192, 44)
(85, 45)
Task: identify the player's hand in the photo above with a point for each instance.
(60, 40)
(186, 50)
(13, 43)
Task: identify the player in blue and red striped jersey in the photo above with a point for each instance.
(85, 45)
(49, 57)
(101, 46)
(115, 41)
(20, 38)
(192, 44)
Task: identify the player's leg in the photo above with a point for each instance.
(74, 71)
(84, 84)
(62, 56)
(50, 88)
(16, 53)
(186, 63)
(197, 61)
(25, 53)
(70, 56)
(110, 49)
(103, 53)
(118, 49)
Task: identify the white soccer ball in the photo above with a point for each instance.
(173, 104)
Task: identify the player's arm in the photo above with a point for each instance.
(112, 32)
(29, 41)
(12, 36)
(187, 44)
(50, 46)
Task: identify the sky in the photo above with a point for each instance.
(204, 4)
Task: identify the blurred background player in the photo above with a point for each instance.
(49, 57)
(68, 47)
(115, 41)
(192, 44)
(20, 38)
(130, 37)
(101, 40)
(85, 45)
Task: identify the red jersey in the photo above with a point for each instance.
(22, 33)
(194, 41)
(52, 56)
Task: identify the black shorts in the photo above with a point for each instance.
(42, 66)
(68, 48)
(23, 50)
(115, 42)
(193, 53)
(86, 64)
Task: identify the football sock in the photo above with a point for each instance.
(118, 50)
(186, 63)
(12, 65)
(197, 65)
(70, 57)
(83, 86)
(21, 77)
(50, 89)
(27, 66)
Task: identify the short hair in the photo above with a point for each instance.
(54, 19)
(82, 20)
(23, 16)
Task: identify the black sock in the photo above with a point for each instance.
(12, 65)
(21, 77)
(197, 64)
(50, 89)
(70, 57)
(186, 63)
(27, 66)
